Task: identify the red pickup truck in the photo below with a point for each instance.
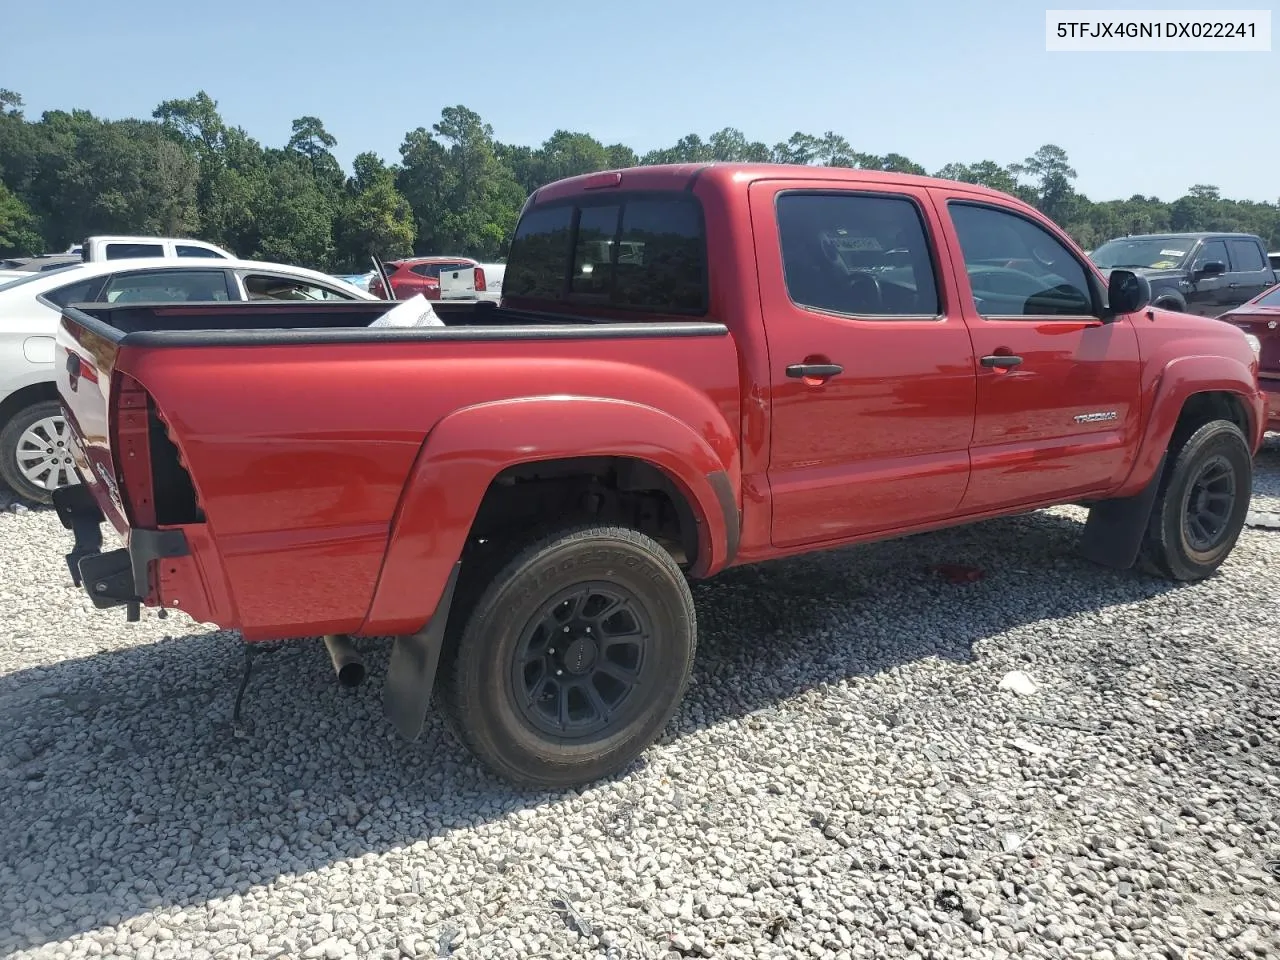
(691, 367)
(1260, 319)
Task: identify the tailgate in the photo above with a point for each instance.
(1265, 325)
(84, 362)
(458, 284)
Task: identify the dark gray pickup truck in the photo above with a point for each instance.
(1202, 273)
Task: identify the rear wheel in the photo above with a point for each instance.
(573, 658)
(1201, 507)
(34, 456)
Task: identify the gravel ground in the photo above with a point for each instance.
(846, 778)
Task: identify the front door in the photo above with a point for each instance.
(871, 367)
(1208, 289)
(1058, 390)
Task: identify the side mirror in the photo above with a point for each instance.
(1212, 268)
(1127, 292)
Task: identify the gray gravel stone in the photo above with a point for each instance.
(840, 782)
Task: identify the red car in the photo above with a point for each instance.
(422, 275)
(1260, 317)
(692, 367)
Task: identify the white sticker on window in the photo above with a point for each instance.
(1173, 253)
(858, 243)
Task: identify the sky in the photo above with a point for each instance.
(936, 81)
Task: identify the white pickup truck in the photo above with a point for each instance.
(96, 249)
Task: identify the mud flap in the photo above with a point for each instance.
(1115, 528)
(412, 672)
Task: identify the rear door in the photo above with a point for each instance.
(1057, 389)
(871, 365)
(1250, 273)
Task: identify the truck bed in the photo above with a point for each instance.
(296, 433)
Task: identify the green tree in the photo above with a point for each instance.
(984, 173)
(18, 234)
(1052, 178)
(376, 219)
(185, 170)
(465, 199)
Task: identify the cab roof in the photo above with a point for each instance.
(678, 176)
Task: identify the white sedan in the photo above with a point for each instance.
(33, 456)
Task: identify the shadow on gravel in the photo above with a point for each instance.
(126, 790)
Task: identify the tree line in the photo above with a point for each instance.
(455, 189)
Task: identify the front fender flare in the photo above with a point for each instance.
(465, 451)
(1181, 379)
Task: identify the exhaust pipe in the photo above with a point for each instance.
(347, 663)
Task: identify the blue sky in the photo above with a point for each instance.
(935, 81)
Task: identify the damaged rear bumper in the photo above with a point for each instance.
(118, 577)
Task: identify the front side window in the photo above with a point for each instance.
(1271, 298)
(132, 251)
(635, 252)
(1213, 251)
(855, 254)
(1017, 268)
(167, 286)
(268, 287)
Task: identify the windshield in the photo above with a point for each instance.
(1145, 253)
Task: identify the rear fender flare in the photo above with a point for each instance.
(1181, 379)
(466, 450)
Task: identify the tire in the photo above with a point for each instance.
(1177, 306)
(44, 420)
(506, 649)
(1170, 548)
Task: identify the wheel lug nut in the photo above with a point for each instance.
(551, 650)
(559, 673)
(566, 629)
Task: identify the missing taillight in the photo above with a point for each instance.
(155, 487)
(175, 495)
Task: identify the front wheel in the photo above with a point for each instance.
(573, 659)
(35, 458)
(1201, 508)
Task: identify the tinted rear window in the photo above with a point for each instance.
(641, 252)
(132, 251)
(1246, 255)
(82, 292)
